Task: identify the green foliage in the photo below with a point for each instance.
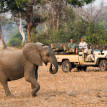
(12, 5)
(51, 37)
(17, 5)
(78, 2)
(96, 34)
(21, 3)
(78, 29)
(69, 25)
(68, 16)
(93, 33)
(15, 40)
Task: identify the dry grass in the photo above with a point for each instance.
(73, 89)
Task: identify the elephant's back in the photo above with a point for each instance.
(10, 56)
(11, 62)
(9, 53)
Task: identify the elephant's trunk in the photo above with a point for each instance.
(55, 69)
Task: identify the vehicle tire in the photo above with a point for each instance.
(103, 65)
(66, 66)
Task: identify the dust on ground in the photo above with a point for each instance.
(72, 89)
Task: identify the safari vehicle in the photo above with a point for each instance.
(69, 60)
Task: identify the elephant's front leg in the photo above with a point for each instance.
(36, 75)
(30, 77)
(35, 87)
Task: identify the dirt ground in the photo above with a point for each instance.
(72, 89)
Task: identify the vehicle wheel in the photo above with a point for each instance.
(103, 65)
(66, 66)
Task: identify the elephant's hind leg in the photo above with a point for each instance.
(7, 91)
(3, 80)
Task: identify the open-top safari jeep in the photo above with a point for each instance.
(69, 60)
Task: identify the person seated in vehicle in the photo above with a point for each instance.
(82, 45)
(89, 54)
(72, 46)
(85, 50)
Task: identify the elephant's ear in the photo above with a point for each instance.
(32, 53)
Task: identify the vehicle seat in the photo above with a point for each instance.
(58, 48)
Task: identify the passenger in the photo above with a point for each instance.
(82, 45)
(89, 56)
(72, 46)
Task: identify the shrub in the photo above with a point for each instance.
(15, 40)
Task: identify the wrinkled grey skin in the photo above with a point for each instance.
(24, 63)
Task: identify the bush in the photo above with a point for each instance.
(15, 40)
(96, 34)
(51, 37)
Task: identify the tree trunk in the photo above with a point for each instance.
(53, 16)
(58, 13)
(45, 30)
(3, 43)
(58, 21)
(22, 32)
(29, 21)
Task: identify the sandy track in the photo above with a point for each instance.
(72, 89)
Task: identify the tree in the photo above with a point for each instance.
(91, 13)
(22, 32)
(15, 40)
(25, 8)
(78, 3)
(96, 33)
(61, 13)
(55, 13)
(58, 8)
(92, 23)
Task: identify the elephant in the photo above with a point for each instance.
(15, 64)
